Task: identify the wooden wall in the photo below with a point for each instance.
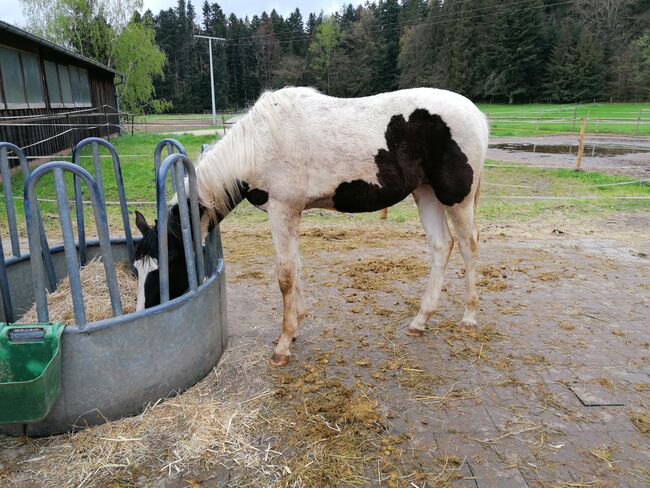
(52, 122)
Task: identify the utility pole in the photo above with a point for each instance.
(214, 104)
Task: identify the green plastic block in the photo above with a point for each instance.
(30, 371)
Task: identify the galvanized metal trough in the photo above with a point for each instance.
(115, 367)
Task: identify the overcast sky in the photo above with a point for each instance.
(11, 10)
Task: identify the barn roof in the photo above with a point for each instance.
(5, 27)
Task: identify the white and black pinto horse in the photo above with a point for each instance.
(297, 149)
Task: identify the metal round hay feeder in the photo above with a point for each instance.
(116, 367)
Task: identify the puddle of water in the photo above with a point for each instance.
(589, 150)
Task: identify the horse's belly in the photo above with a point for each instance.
(361, 196)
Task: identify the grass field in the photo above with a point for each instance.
(505, 196)
(506, 120)
(532, 119)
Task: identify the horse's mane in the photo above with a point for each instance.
(231, 160)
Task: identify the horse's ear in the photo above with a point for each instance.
(141, 223)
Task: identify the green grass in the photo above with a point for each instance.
(138, 170)
(534, 119)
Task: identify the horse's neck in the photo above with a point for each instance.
(223, 172)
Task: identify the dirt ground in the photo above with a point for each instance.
(553, 390)
(601, 153)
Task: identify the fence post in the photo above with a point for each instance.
(132, 123)
(71, 138)
(108, 131)
(581, 143)
(575, 115)
(638, 123)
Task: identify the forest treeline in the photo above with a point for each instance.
(489, 50)
(505, 51)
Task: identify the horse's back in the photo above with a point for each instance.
(360, 154)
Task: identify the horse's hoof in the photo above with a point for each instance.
(470, 327)
(279, 359)
(414, 332)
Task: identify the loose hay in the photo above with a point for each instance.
(642, 421)
(95, 293)
(380, 273)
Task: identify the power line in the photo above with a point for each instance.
(447, 18)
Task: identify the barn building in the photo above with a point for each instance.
(50, 97)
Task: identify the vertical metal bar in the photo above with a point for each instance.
(124, 207)
(196, 221)
(70, 248)
(99, 208)
(170, 151)
(163, 255)
(97, 165)
(214, 103)
(81, 226)
(183, 212)
(210, 254)
(5, 290)
(35, 247)
(9, 202)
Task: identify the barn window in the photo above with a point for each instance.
(21, 76)
(12, 77)
(85, 87)
(53, 87)
(32, 77)
(66, 88)
(76, 87)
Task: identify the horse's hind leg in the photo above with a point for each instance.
(284, 227)
(466, 230)
(434, 222)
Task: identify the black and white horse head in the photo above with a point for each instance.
(146, 260)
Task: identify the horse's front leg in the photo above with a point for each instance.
(285, 222)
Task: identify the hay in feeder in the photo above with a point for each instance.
(95, 293)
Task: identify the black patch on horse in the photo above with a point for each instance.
(256, 196)
(420, 150)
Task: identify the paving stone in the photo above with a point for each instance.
(594, 395)
(468, 480)
(468, 420)
(631, 376)
(490, 472)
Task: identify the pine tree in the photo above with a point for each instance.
(559, 84)
(576, 72)
(516, 52)
(589, 68)
(356, 68)
(297, 41)
(388, 13)
(322, 49)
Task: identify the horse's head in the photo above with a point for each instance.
(146, 260)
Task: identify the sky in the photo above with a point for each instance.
(11, 11)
